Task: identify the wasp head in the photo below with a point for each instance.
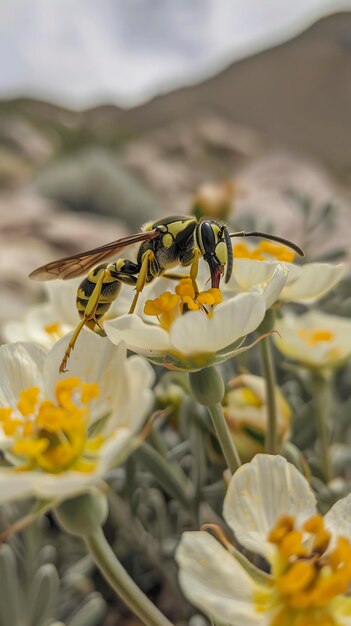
(215, 246)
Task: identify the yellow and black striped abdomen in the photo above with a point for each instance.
(109, 291)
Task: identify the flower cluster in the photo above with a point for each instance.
(271, 510)
(274, 561)
(61, 434)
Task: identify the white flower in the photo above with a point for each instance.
(46, 323)
(306, 283)
(60, 434)
(314, 339)
(245, 410)
(183, 331)
(272, 511)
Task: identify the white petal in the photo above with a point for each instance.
(248, 273)
(196, 333)
(148, 339)
(62, 297)
(88, 360)
(32, 327)
(322, 353)
(141, 399)
(259, 493)
(271, 291)
(61, 486)
(215, 582)
(307, 283)
(117, 449)
(15, 486)
(15, 331)
(338, 519)
(21, 366)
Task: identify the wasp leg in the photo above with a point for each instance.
(175, 276)
(194, 268)
(148, 257)
(88, 316)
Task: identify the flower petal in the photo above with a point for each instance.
(87, 361)
(62, 300)
(196, 333)
(309, 282)
(338, 519)
(213, 580)
(261, 491)
(326, 353)
(248, 273)
(21, 366)
(140, 337)
(15, 486)
(273, 287)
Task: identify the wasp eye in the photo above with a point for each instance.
(206, 238)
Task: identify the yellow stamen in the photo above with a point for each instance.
(10, 426)
(265, 250)
(30, 448)
(309, 579)
(5, 413)
(53, 329)
(291, 545)
(298, 577)
(28, 400)
(185, 288)
(89, 392)
(314, 524)
(313, 337)
(284, 525)
(167, 307)
(53, 435)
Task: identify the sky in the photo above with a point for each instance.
(84, 52)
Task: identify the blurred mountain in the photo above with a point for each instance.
(297, 94)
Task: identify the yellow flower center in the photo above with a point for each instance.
(309, 574)
(264, 251)
(169, 306)
(53, 436)
(54, 330)
(314, 337)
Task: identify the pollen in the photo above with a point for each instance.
(169, 306)
(52, 435)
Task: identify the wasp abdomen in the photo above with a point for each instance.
(109, 291)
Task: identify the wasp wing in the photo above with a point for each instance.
(78, 264)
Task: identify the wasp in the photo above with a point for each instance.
(164, 244)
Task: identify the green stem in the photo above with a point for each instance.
(208, 389)
(269, 375)
(224, 437)
(322, 404)
(121, 582)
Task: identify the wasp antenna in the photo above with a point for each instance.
(228, 243)
(285, 242)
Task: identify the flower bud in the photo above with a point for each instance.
(245, 410)
(207, 386)
(214, 200)
(84, 514)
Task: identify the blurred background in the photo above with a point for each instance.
(113, 112)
